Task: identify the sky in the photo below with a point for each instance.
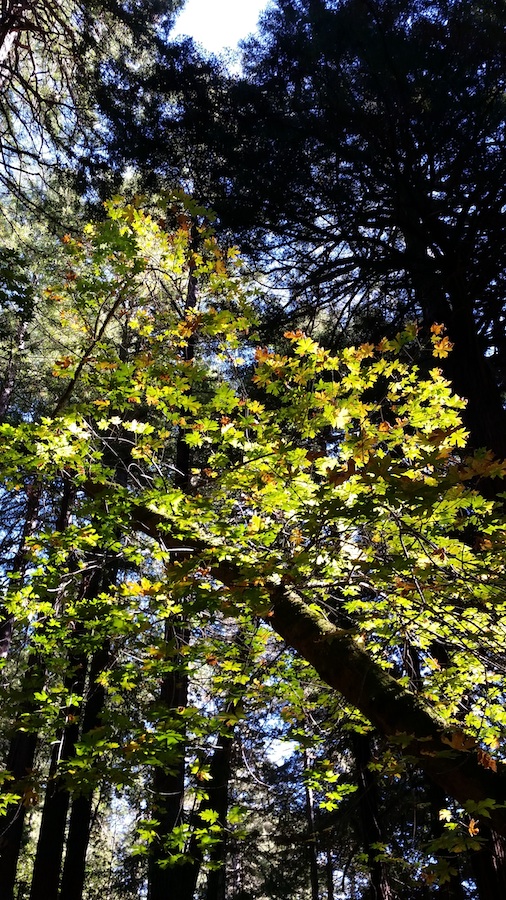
(218, 24)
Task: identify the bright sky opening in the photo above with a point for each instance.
(218, 24)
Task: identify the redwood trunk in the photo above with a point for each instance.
(167, 882)
(74, 867)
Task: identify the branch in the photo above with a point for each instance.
(449, 758)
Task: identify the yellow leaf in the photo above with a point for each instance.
(442, 347)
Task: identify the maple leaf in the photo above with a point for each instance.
(442, 347)
(485, 760)
(473, 827)
(457, 740)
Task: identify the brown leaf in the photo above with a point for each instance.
(457, 740)
(485, 760)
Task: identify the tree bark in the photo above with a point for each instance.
(220, 771)
(74, 867)
(19, 563)
(488, 865)
(329, 874)
(20, 764)
(444, 298)
(168, 789)
(23, 743)
(311, 824)
(168, 784)
(368, 810)
(51, 840)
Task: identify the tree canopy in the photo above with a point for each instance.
(252, 538)
(326, 494)
(360, 156)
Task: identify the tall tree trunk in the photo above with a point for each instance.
(105, 575)
(168, 785)
(51, 840)
(369, 816)
(311, 828)
(74, 867)
(23, 743)
(473, 379)
(20, 764)
(329, 874)
(444, 298)
(165, 882)
(220, 769)
(489, 865)
(220, 772)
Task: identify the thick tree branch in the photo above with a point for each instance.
(450, 759)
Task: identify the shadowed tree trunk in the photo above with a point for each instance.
(168, 790)
(489, 865)
(369, 816)
(220, 772)
(23, 744)
(19, 563)
(20, 764)
(51, 840)
(311, 827)
(74, 867)
(329, 874)
(168, 782)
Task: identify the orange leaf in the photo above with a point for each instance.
(485, 760)
(473, 828)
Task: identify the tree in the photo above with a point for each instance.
(328, 499)
(53, 60)
(361, 158)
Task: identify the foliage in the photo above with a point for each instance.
(330, 497)
(383, 197)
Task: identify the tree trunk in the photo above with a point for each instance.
(21, 754)
(20, 764)
(369, 815)
(168, 789)
(18, 568)
(74, 867)
(220, 772)
(444, 298)
(472, 378)
(311, 827)
(51, 840)
(168, 881)
(489, 865)
(329, 874)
